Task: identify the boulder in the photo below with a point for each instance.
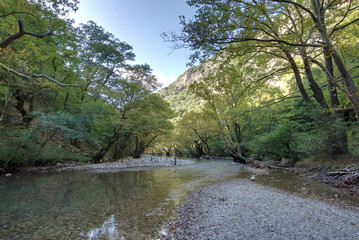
(257, 163)
(271, 163)
(285, 162)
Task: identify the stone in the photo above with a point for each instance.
(271, 163)
(253, 178)
(8, 175)
(259, 164)
(285, 162)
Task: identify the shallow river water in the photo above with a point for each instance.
(121, 204)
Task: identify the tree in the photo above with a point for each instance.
(38, 19)
(231, 91)
(78, 84)
(219, 24)
(150, 121)
(202, 126)
(102, 57)
(125, 94)
(281, 30)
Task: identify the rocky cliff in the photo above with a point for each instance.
(178, 94)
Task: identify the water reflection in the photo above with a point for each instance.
(110, 204)
(108, 230)
(98, 205)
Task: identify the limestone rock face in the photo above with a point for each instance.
(193, 74)
(178, 95)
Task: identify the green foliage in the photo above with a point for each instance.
(243, 95)
(51, 156)
(218, 148)
(252, 93)
(87, 90)
(70, 125)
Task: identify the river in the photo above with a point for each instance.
(121, 204)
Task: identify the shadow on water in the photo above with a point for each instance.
(115, 204)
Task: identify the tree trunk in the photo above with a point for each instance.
(120, 148)
(103, 151)
(65, 101)
(139, 148)
(329, 48)
(339, 140)
(237, 156)
(297, 76)
(116, 151)
(207, 150)
(142, 145)
(20, 106)
(347, 78)
(317, 91)
(199, 149)
(206, 146)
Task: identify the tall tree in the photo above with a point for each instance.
(33, 18)
(231, 91)
(220, 23)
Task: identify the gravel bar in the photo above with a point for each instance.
(144, 161)
(240, 209)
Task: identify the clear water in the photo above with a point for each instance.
(99, 204)
(115, 204)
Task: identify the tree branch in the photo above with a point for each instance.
(298, 5)
(343, 26)
(5, 43)
(330, 76)
(231, 40)
(13, 13)
(33, 76)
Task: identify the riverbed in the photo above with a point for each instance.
(124, 203)
(240, 209)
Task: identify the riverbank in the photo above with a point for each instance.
(129, 162)
(240, 209)
(342, 172)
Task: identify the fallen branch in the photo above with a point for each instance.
(341, 173)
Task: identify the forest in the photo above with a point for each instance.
(282, 82)
(71, 93)
(278, 80)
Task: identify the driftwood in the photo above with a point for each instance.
(347, 178)
(341, 173)
(277, 168)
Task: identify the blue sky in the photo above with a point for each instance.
(140, 23)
